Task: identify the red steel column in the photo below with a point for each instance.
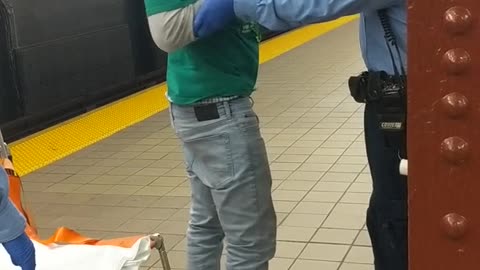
(444, 134)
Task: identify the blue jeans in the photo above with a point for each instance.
(231, 184)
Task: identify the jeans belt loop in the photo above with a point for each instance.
(228, 109)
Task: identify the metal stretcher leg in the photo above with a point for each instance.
(159, 244)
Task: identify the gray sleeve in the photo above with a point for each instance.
(12, 224)
(173, 30)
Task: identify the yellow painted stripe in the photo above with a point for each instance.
(50, 145)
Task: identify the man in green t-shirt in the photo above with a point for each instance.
(209, 86)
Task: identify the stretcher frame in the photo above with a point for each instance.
(156, 240)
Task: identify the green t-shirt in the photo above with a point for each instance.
(223, 65)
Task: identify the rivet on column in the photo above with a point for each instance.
(454, 105)
(456, 61)
(458, 20)
(454, 225)
(455, 150)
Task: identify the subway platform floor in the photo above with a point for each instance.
(134, 182)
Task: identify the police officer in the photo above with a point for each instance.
(12, 227)
(383, 43)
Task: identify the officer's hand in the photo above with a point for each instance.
(213, 16)
(22, 252)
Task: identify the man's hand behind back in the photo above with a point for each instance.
(213, 16)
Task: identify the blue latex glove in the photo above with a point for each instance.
(213, 16)
(22, 252)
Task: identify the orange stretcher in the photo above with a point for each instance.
(66, 236)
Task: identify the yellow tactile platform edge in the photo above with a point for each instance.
(50, 145)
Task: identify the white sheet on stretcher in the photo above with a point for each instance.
(85, 257)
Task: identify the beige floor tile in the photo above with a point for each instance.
(354, 266)
(329, 151)
(79, 179)
(314, 265)
(305, 176)
(361, 187)
(64, 188)
(136, 180)
(297, 185)
(168, 181)
(355, 197)
(350, 209)
(314, 167)
(280, 264)
(284, 166)
(180, 215)
(180, 192)
(364, 178)
(104, 224)
(280, 143)
(289, 249)
(360, 255)
(335, 236)
(139, 201)
(66, 169)
(108, 180)
(123, 190)
(280, 175)
(331, 187)
(172, 227)
(325, 252)
(92, 189)
(152, 171)
(284, 206)
(178, 260)
(171, 202)
(182, 245)
(347, 168)
(163, 163)
(336, 144)
(299, 151)
(276, 149)
(347, 177)
(344, 221)
(314, 138)
(281, 217)
(172, 240)
(288, 195)
(363, 239)
(276, 184)
(317, 208)
(157, 213)
(179, 171)
(343, 137)
(100, 199)
(353, 151)
(323, 196)
(292, 158)
(123, 171)
(139, 226)
(322, 159)
(111, 211)
(296, 234)
(308, 143)
(360, 160)
(138, 163)
(304, 220)
(153, 191)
